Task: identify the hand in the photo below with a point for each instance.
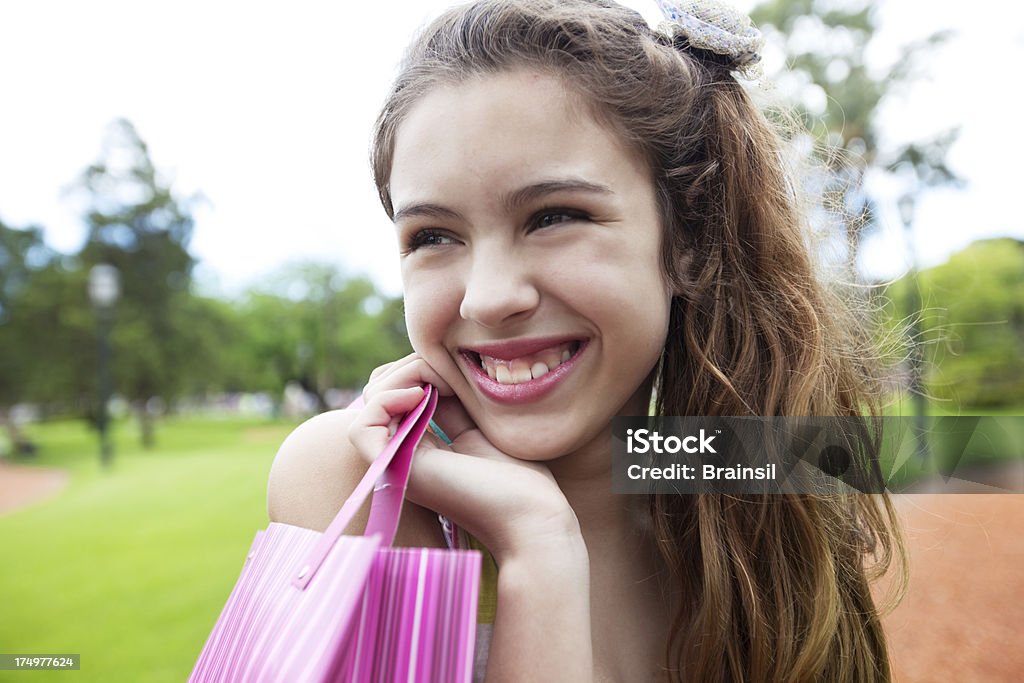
(512, 506)
(413, 371)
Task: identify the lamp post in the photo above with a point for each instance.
(104, 290)
(907, 204)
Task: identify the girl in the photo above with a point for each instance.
(593, 216)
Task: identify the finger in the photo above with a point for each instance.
(450, 415)
(383, 371)
(379, 370)
(413, 373)
(374, 425)
(388, 368)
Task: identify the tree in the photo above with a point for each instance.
(28, 311)
(22, 251)
(311, 324)
(137, 224)
(972, 324)
(826, 43)
(43, 326)
(19, 249)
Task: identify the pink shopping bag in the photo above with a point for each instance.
(326, 607)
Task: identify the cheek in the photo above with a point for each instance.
(630, 301)
(430, 304)
(624, 282)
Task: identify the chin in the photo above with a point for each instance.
(538, 445)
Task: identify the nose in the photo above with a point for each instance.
(499, 289)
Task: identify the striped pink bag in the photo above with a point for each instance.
(326, 607)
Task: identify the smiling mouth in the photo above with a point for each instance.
(513, 371)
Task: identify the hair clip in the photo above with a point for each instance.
(716, 27)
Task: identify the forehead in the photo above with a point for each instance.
(503, 129)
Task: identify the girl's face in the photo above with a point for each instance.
(531, 245)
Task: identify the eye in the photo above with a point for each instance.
(427, 238)
(550, 217)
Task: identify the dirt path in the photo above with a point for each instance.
(21, 485)
(963, 616)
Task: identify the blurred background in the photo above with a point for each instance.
(193, 259)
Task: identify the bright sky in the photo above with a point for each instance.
(266, 108)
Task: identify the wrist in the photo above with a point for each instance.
(553, 547)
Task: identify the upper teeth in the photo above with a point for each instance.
(519, 370)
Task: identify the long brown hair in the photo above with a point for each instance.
(768, 588)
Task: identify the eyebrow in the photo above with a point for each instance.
(511, 201)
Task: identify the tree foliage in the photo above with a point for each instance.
(309, 323)
(43, 330)
(137, 224)
(972, 323)
(826, 44)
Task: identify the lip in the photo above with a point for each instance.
(526, 392)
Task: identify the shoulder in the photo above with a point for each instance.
(315, 470)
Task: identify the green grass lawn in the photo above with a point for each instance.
(130, 567)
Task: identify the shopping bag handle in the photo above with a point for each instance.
(390, 472)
